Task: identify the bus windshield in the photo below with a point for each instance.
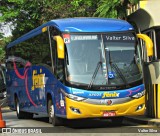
(102, 59)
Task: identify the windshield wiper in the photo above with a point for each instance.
(116, 68)
(94, 74)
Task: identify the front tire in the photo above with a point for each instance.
(21, 114)
(56, 121)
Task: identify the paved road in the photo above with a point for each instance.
(94, 127)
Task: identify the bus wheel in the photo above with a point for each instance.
(21, 114)
(56, 121)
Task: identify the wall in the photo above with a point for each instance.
(146, 14)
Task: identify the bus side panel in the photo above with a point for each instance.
(31, 86)
(16, 89)
(40, 83)
(59, 101)
(10, 88)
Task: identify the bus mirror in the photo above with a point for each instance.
(60, 46)
(149, 43)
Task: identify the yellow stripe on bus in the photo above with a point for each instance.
(158, 101)
(154, 99)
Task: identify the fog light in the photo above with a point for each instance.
(139, 107)
(75, 110)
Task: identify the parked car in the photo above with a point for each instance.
(2, 82)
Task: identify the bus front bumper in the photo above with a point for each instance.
(77, 109)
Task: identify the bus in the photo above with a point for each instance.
(77, 68)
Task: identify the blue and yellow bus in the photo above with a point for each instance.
(77, 68)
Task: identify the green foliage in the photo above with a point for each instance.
(107, 8)
(114, 8)
(2, 54)
(28, 14)
(1, 35)
(133, 1)
(3, 42)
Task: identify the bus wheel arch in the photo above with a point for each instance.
(53, 119)
(21, 114)
(49, 96)
(15, 101)
(17, 107)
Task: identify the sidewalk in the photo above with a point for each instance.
(144, 120)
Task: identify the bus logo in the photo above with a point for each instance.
(66, 38)
(38, 80)
(108, 94)
(106, 101)
(109, 102)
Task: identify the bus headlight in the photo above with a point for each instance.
(74, 97)
(71, 96)
(138, 95)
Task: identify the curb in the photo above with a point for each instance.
(152, 123)
(144, 121)
(5, 108)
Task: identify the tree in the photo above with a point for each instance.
(2, 52)
(114, 8)
(1, 35)
(28, 14)
(3, 42)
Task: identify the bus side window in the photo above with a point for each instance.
(60, 71)
(57, 63)
(54, 54)
(53, 32)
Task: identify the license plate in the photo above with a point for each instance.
(109, 113)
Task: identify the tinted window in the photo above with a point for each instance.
(35, 50)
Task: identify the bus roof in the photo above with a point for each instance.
(79, 25)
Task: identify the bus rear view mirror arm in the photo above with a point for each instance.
(149, 44)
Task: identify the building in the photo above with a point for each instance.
(145, 14)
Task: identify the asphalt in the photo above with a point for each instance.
(143, 119)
